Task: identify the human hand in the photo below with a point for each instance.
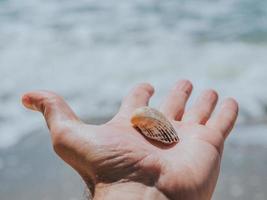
(117, 162)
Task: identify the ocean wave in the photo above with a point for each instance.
(92, 52)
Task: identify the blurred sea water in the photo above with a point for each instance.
(91, 52)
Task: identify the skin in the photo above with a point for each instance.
(116, 161)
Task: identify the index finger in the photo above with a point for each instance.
(139, 96)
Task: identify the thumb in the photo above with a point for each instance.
(62, 123)
(54, 109)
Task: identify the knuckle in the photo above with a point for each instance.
(49, 100)
(184, 95)
(52, 99)
(59, 136)
(48, 97)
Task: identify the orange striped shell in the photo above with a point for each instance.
(153, 124)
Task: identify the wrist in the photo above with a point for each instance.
(127, 190)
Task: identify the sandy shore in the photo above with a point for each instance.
(31, 170)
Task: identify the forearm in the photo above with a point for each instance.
(129, 190)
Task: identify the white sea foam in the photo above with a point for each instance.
(92, 52)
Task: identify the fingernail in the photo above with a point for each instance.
(27, 103)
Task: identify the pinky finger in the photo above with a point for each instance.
(225, 118)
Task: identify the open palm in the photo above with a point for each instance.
(114, 155)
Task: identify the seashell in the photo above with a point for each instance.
(153, 124)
